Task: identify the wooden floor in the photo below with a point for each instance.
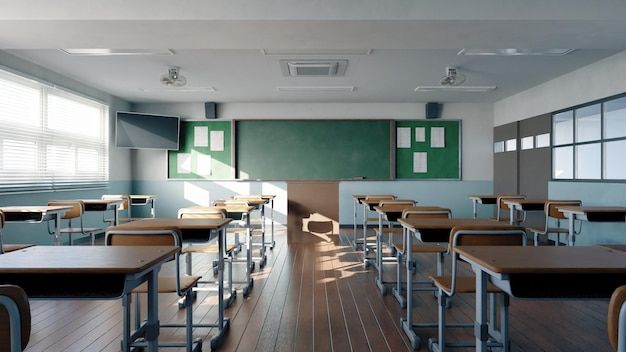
(318, 297)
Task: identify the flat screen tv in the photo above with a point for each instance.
(146, 131)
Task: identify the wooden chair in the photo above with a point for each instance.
(448, 286)
(14, 318)
(181, 285)
(75, 213)
(211, 248)
(552, 212)
(421, 212)
(390, 230)
(124, 206)
(616, 320)
(503, 209)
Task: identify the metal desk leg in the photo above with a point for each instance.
(57, 229)
(481, 328)
(379, 256)
(152, 324)
(407, 324)
(272, 224)
(354, 206)
(365, 261)
(116, 216)
(249, 280)
(263, 257)
(222, 323)
(474, 208)
(511, 215)
(152, 212)
(571, 238)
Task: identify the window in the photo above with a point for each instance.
(528, 142)
(589, 141)
(49, 138)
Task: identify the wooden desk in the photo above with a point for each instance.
(142, 200)
(37, 214)
(195, 230)
(592, 214)
(90, 272)
(102, 205)
(368, 205)
(391, 212)
(523, 206)
(486, 199)
(428, 230)
(543, 273)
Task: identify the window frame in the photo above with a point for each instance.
(602, 141)
(41, 135)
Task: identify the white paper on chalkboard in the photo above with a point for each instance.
(203, 164)
(217, 141)
(200, 136)
(420, 162)
(420, 134)
(403, 137)
(183, 163)
(437, 137)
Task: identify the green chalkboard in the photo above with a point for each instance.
(313, 149)
(442, 163)
(200, 161)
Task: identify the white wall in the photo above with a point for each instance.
(601, 79)
(477, 123)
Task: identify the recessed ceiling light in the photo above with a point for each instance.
(316, 89)
(464, 89)
(515, 52)
(116, 52)
(179, 89)
(307, 52)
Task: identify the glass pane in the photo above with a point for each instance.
(528, 142)
(614, 165)
(60, 160)
(87, 161)
(511, 145)
(73, 116)
(542, 140)
(19, 104)
(588, 161)
(615, 118)
(563, 163)
(19, 155)
(563, 128)
(588, 123)
(498, 147)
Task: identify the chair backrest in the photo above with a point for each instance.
(142, 237)
(613, 318)
(397, 202)
(14, 303)
(201, 213)
(124, 205)
(77, 210)
(504, 206)
(427, 213)
(552, 207)
(248, 197)
(1, 220)
(480, 235)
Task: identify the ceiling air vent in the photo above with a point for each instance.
(313, 68)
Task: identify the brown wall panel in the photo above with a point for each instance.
(312, 210)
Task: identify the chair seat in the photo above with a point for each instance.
(208, 248)
(386, 231)
(372, 219)
(422, 248)
(79, 230)
(14, 247)
(168, 284)
(464, 284)
(542, 231)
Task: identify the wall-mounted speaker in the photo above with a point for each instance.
(210, 110)
(433, 110)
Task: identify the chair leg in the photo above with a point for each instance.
(536, 238)
(188, 263)
(441, 327)
(399, 272)
(125, 343)
(558, 239)
(504, 323)
(189, 319)
(137, 312)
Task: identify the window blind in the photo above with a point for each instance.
(49, 138)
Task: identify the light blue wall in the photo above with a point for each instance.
(594, 193)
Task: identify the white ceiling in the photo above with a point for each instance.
(219, 44)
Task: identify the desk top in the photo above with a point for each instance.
(545, 259)
(617, 247)
(484, 198)
(142, 196)
(84, 259)
(588, 210)
(447, 224)
(34, 208)
(395, 208)
(231, 208)
(102, 201)
(172, 224)
(358, 197)
(268, 196)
